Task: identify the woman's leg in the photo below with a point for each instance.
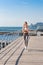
(27, 41)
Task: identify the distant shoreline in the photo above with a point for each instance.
(1, 33)
(11, 33)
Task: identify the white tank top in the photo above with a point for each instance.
(25, 28)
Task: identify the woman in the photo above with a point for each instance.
(25, 33)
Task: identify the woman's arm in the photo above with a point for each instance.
(22, 29)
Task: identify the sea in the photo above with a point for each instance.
(9, 29)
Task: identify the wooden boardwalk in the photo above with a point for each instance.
(15, 54)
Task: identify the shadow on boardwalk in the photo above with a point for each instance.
(36, 50)
(17, 61)
(30, 50)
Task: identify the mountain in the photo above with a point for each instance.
(36, 26)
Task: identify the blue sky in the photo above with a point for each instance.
(15, 12)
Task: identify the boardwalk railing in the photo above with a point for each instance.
(6, 39)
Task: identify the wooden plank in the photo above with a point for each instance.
(7, 54)
(34, 54)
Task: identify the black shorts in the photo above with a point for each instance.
(26, 38)
(25, 35)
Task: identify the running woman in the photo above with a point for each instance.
(25, 33)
